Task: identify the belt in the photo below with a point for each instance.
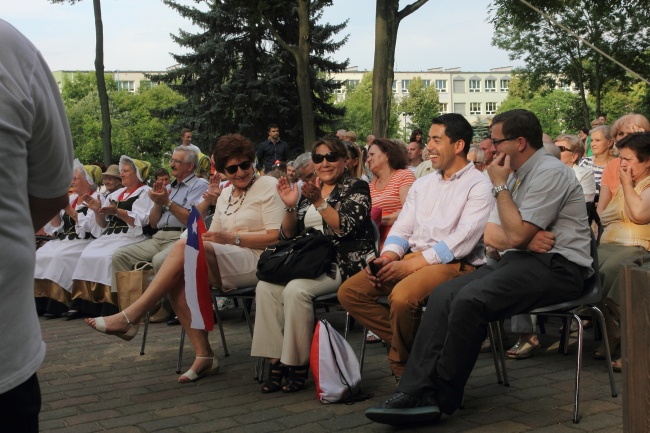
(171, 229)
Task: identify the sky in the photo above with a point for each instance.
(137, 34)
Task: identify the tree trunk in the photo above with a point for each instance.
(101, 83)
(386, 26)
(303, 81)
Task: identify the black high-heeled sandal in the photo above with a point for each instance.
(277, 373)
(297, 378)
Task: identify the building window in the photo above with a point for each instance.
(339, 87)
(444, 107)
(405, 86)
(474, 86)
(490, 85)
(147, 84)
(394, 86)
(490, 107)
(352, 84)
(426, 83)
(565, 85)
(459, 107)
(505, 85)
(459, 87)
(441, 86)
(474, 108)
(129, 86)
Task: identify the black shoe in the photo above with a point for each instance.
(50, 316)
(403, 408)
(173, 322)
(72, 314)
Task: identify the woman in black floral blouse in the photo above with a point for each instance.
(339, 205)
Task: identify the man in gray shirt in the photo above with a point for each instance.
(540, 223)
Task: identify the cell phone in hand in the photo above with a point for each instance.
(374, 268)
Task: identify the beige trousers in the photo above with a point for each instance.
(284, 318)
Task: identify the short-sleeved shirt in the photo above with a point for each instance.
(548, 195)
(186, 193)
(611, 177)
(388, 199)
(36, 149)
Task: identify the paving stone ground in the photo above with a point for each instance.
(92, 382)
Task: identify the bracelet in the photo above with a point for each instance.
(291, 209)
(385, 256)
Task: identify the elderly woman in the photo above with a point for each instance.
(339, 205)
(387, 161)
(626, 220)
(74, 228)
(572, 150)
(477, 157)
(602, 153)
(246, 220)
(123, 216)
(620, 129)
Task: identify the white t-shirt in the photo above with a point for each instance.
(36, 150)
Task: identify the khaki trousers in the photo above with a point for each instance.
(396, 325)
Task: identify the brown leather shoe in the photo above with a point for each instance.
(163, 314)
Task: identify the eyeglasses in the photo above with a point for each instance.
(244, 165)
(476, 162)
(177, 161)
(497, 142)
(330, 157)
(564, 149)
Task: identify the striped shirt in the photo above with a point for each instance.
(388, 199)
(444, 219)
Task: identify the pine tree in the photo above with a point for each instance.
(237, 79)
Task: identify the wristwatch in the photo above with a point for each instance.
(497, 189)
(322, 207)
(237, 239)
(167, 206)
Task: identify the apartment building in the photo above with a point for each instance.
(130, 81)
(475, 95)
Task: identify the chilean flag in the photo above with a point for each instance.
(197, 287)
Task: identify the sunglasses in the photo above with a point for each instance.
(330, 157)
(564, 149)
(244, 165)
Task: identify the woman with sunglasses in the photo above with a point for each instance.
(572, 150)
(247, 219)
(339, 205)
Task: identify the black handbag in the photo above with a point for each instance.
(308, 255)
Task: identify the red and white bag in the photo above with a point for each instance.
(334, 366)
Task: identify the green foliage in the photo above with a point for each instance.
(140, 128)
(421, 104)
(358, 110)
(83, 84)
(618, 101)
(618, 28)
(237, 79)
(558, 111)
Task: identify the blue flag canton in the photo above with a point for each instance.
(193, 228)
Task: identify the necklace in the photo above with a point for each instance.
(240, 199)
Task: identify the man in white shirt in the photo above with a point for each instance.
(414, 151)
(436, 237)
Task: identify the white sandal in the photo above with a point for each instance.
(191, 376)
(100, 325)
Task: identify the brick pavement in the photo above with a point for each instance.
(92, 382)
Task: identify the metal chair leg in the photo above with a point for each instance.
(144, 333)
(223, 336)
(180, 352)
(608, 356)
(362, 356)
(576, 398)
(502, 353)
(497, 368)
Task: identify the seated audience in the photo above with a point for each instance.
(387, 161)
(354, 161)
(123, 216)
(246, 220)
(161, 174)
(540, 200)
(339, 205)
(571, 152)
(477, 157)
(74, 228)
(610, 182)
(168, 215)
(436, 237)
(626, 220)
(111, 180)
(602, 153)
